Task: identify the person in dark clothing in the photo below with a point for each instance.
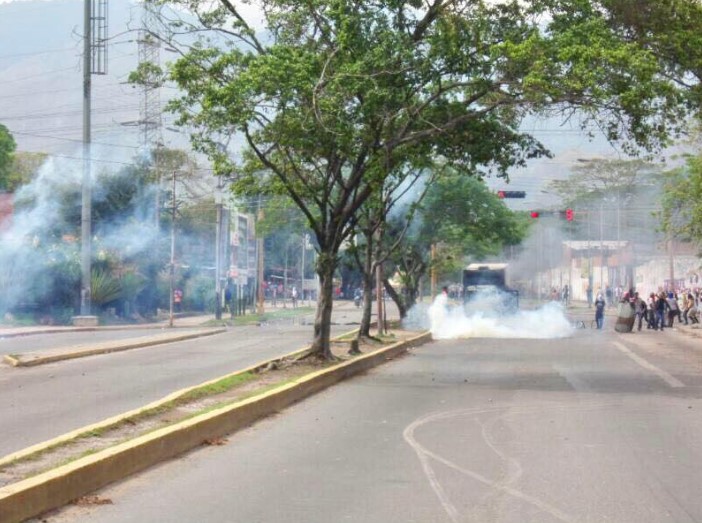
(661, 308)
(639, 309)
(599, 310)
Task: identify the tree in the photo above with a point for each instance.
(465, 219)
(594, 179)
(7, 148)
(626, 190)
(373, 251)
(681, 202)
(671, 30)
(340, 94)
(23, 169)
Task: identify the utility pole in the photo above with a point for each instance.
(260, 306)
(433, 272)
(601, 246)
(302, 268)
(173, 235)
(94, 62)
(671, 262)
(218, 250)
(86, 194)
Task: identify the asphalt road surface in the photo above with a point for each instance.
(596, 428)
(40, 403)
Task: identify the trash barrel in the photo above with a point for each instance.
(625, 318)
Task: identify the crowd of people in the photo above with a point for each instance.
(657, 310)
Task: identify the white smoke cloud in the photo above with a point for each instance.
(482, 318)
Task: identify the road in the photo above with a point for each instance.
(39, 403)
(599, 427)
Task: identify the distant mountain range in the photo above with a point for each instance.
(41, 92)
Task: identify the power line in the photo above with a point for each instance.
(35, 116)
(74, 140)
(72, 68)
(36, 53)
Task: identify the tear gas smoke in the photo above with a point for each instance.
(485, 317)
(40, 248)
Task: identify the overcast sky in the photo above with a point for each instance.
(41, 93)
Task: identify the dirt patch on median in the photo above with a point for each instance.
(229, 390)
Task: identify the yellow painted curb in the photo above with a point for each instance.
(108, 347)
(36, 495)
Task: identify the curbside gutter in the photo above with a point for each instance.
(109, 346)
(53, 489)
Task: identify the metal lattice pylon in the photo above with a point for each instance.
(150, 55)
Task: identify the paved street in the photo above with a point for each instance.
(39, 403)
(599, 427)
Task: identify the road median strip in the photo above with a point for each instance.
(81, 351)
(56, 487)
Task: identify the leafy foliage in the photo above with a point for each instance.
(7, 148)
(342, 95)
(681, 214)
(104, 287)
(463, 219)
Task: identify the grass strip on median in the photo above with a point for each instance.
(168, 411)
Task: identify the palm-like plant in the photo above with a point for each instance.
(104, 287)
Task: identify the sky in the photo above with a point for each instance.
(41, 94)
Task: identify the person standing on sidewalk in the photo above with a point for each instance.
(599, 311)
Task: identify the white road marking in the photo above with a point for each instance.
(670, 380)
(424, 456)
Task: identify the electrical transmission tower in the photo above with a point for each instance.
(150, 121)
(150, 60)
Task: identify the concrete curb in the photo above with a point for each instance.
(21, 332)
(109, 346)
(36, 495)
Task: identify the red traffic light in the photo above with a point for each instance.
(569, 214)
(511, 194)
(534, 214)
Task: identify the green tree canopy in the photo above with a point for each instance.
(338, 94)
(465, 219)
(681, 202)
(7, 149)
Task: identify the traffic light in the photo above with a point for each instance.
(569, 215)
(511, 194)
(534, 214)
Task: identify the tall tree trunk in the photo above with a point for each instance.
(367, 279)
(326, 265)
(396, 298)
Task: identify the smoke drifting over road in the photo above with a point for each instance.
(481, 318)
